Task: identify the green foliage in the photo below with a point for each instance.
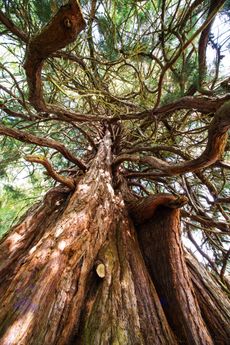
(16, 199)
(13, 202)
(226, 8)
(107, 42)
(42, 9)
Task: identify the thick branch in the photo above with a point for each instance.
(61, 31)
(217, 136)
(32, 139)
(203, 104)
(66, 181)
(143, 209)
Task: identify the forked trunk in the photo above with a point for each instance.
(123, 307)
(72, 272)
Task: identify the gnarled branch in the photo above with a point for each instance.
(32, 139)
(61, 31)
(217, 136)
(69, 182)
(143, 209)
(203, 104)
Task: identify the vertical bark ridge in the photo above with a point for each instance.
(162, 250)
(213, 302)
(51, 283)
(123, 307)
(16, 243)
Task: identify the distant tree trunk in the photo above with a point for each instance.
(72, 272)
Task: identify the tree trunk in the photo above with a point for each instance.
(161, 245)
(72, 272)
(213, 302)
(123, 307)
(17, 243)
(53, 282)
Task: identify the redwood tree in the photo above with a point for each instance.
(119, 104)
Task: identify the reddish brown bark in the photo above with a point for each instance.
(144, 209)
(61, 31)
(16, 244)
(43, 301)
(213, 302)
(46, 294)
(123, 307)
(49, 285)
(161, 245)
(53, 295)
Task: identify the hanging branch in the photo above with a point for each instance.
(203, 43)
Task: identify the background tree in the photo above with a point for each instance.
(117, 103)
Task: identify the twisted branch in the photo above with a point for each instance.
(217, 137)
(69, 182)
(32, 139)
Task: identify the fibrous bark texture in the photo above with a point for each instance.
(213, 302)
(54, 284)
(162, 248)
(42, 303)
(123, 308)
(28, 232)
(72, 272)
